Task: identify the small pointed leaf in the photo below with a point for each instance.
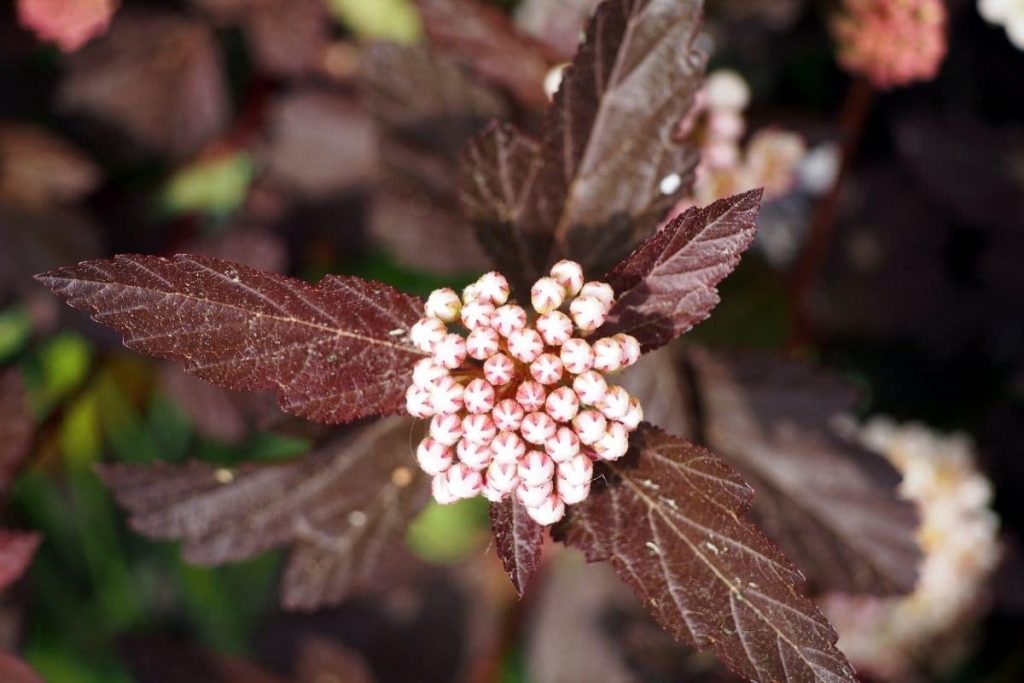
(335, 352)
(668, 284)
(670, 519)
(518, 540)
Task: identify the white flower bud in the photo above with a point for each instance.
(476, 314)
(463, 481)
(630, 349)
(434, 458)
(473, 455)
(479, 429)
(418, 402)
(531, 496)
(525, 345)
(577, 470)
(446, 397)
(479, 397)
(569, 274)
(546, 369)
(441, 491)
(508, 447)
(536, 468)
(499, 369)
(537, 428)
(634, 416)
(590, 387)
(508, 318)
(564, 445)
(562, 404)
(444, 304)
(508, 415)
(590, 426)
(726, 89)
(577, 356)
(554, 327)
(450, 352)
(547, 295)
(587, 312)
(482, 343)
(494, 288)
(426, 333)
(615, 403)
(446, 429)
(426, 373)
(571, 494)
(531, 396)
(602, 291)
(608, 353)
(549, 511)
(503, 477)
(614, 443)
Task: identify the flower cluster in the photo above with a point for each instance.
(1006, 13)
(892, 42)
(519, 404)
(68, 24)
(770, 159)
(958, 537)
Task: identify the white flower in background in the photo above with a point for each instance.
(1006, 13)
(958, 536)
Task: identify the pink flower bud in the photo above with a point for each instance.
(602, 291)
(615, 403)
(426, 333)
(562, 404)
(503, 477)
(441, 491)
(563, 446)
(546, 369)
(478, 397)
(549, 511)
(608, 355)
(494, 287)
(577, 356)
(531, 396)
(427, 372)
(531, 496)
(446, 396)
(525, 344)
(571, 494)
(590, 387)
(634, 416)
(590, 426)
(446, 429)
(630, 349)
(546, 295)
(473, 455)
(614, 443)
(463, 481)
(479, 429)
(499, 369)
(477, 314)
(536, 468)
(577, 470)
(472, 293)
(433, 457)
(450, 352)
(508, 415)
(569, 274)
(444, 304)
(482, 343)
(537, 428)
(508, 447)
(587, 312)
(492, 494)
(554, 327)
(509, 318)
(417, 402)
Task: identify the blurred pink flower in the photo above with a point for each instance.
(68, 23)
(892, 42)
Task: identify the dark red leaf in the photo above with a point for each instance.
(343, 507)
(38, 168)
(610, 166)
(335, 352)
(518, 540)
(668, 284)
(832, 506)
(16, 425)
(321, 143)
(670, 520)
(13, 670)
(482, 37)
(17, 548)
(286, 37)
(498, 170)
(159, 77)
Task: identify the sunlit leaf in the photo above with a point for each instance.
(670, 519)
(394, 20)
(334, 352)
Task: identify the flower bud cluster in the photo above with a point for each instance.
(518, 401)
(958, 537)
(892, 42)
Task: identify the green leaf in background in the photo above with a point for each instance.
(445, 534)
(15, 330)
(394, 20)
(217, 186)
(58, 368)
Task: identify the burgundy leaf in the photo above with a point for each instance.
(16, 425)
(670, 520)
(832, 506)
(216, 413)
(518, 540)
(668, 284)
(158, 76)
(286, 37)
(37, 168)
(610, 165)
(13, 670)
(498, 170)
(482, 37)
(17, 548)
(321, 144)
(335, 352)
(343, 507)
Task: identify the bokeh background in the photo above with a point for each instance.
(312, 137)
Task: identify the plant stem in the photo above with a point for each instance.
(853, 117)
